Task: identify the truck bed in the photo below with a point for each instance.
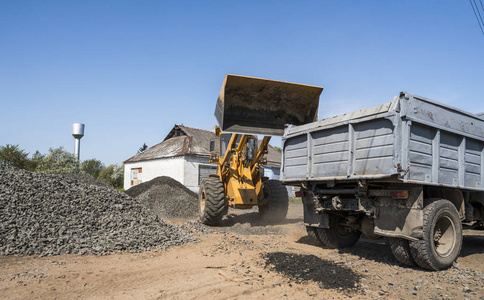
(411, 139)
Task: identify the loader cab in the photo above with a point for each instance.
(250, 147)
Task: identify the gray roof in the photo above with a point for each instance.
(184, 140)
(200, 143)
(273, 157)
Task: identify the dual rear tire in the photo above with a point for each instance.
(437, 250)
(337, 236)
(401, 251)
(441, 243)
(442, 237)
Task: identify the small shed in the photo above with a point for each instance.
(183, 155)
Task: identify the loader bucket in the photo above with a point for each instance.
(261, 106)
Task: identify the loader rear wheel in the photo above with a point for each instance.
(401, 251)
(442, 237)
(276, 201)
(211, 198)
(338, 236)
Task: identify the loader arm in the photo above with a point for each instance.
(254, 167)
(228, 151)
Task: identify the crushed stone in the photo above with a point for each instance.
(166, 197)
(51, 214)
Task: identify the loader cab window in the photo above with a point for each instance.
(251, 145)
(251, 148)
(224, 141)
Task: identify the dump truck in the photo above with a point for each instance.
(410, 170)
(246, 107)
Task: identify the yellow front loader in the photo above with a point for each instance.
(248, 106)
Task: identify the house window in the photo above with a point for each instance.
(136, 176)
(205, 171)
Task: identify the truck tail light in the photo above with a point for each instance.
(400, 194)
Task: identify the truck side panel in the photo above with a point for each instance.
(441, 157)
(330, 153)
(363, 149)
(374, 148)
(422, 141)
(296, 156)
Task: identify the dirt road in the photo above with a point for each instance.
(243, 259)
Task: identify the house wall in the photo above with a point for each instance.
(271, 172)
(184, 169)
(192, 165)
(173, 167)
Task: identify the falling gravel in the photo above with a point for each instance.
(166, 197)
(49, 214)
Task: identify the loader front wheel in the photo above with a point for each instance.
(276, 201)
(211, 198)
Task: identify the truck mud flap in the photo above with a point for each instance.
(311, 218)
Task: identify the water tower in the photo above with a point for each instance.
(77, 133)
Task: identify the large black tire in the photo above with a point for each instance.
(442, 237)
(338, 236)
(401, 251)
(276, 201)
(211, 202)
(313, 234)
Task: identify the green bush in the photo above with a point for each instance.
(58, 161)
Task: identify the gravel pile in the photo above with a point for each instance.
(87, 179)
(166, 197)
(54, 214)
(195, 226)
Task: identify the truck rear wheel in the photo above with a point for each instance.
(338, 236)
(442, 237)
(211, 198)
(276, 201)
(401, 251)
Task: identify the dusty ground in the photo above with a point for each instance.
(243, 259)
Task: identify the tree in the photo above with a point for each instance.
(92, 167)
(113, 175)
(279, 149)
(118, 176)
(12, 155)
(32, 163)
(58, 161)
(142, 148)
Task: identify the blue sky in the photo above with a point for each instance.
(130, 70)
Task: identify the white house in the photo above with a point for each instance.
(183, 155)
